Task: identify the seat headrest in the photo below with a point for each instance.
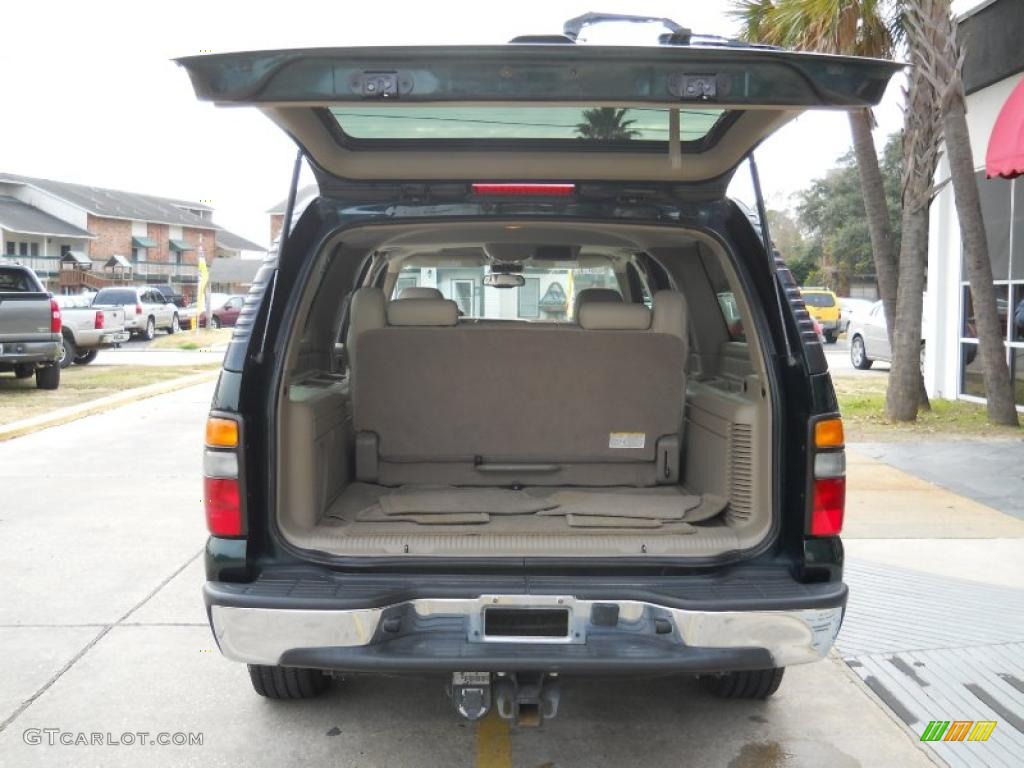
(614, 317)
(670, 313)
(420, 292)
(430, 312)
(593, 296)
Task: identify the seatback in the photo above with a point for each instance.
(602, 403)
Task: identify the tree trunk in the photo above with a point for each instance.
(921, 132)
(879, 228)
(991, 333)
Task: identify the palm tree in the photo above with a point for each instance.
(921, 149)
(856, 28)
(606, 124)
(931, 30)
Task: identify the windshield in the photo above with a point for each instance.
(547, 295)
(818, 299)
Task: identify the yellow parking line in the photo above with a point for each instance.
(493, 742)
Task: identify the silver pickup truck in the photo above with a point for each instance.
(30, 323)
(88, 328)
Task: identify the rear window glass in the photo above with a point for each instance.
(115, 296)
(818, 299)
(16, 280)
(608, 124)
(547, 295)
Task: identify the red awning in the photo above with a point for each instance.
(1005, 155)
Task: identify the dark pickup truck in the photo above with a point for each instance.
(30, 323)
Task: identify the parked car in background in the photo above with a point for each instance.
(30, 322)
(216, 303)
(823, 305)
(226, 315)
(848, 307)
(145, 309)
(869, 339)
(87, 328)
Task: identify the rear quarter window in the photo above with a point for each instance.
(16, 281)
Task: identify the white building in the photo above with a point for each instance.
(994, 80)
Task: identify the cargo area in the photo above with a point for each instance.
(524, 389)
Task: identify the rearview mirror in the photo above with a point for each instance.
(500, 280)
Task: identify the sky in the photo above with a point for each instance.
(89, 92)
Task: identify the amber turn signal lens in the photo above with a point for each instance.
(828, 433)
(221, 433)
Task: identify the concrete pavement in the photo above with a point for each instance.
(103, 630)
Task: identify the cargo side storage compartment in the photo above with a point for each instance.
(317, 441)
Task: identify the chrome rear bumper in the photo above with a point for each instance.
(441, 634)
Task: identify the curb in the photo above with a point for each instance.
(100, 405)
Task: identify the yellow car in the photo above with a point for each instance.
(824, 307)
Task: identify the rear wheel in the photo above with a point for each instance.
(175, 325)
(831, 336)
(86, 357)
(749, 684)
(48, 377)
(68, 351)
(24, 370)
(859, 355)
(216, 322)
(288, 682)
(150, 331)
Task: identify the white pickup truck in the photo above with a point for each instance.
(87, 328)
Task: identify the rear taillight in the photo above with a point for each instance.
(138, 309)
(518, 190)
(828, 484)
(55, 321)
(99, 323)
(222, 489)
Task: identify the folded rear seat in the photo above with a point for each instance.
(443, 403)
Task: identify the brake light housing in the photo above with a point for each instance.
(827, 492)
(55, 319)
(138, 309)
(223, 489)
(100, 321)
(524, 190)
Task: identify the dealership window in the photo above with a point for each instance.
(462, 294)
(65, 250)
(12, 248)
(33, 249)
(23, 249)
(1002, 206)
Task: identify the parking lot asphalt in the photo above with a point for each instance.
(102, 630)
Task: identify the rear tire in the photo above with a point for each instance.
(86, 357)
(288, 682)
(68, 351)
(48, 377)
(150, 333)
(215, 322)
(831, 336)
(859, 355)
(175, 325)
(757, 684)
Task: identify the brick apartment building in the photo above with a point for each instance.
(76, 236)
(277, 212)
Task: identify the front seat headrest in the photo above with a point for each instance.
(594, 296)
(420, 292)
